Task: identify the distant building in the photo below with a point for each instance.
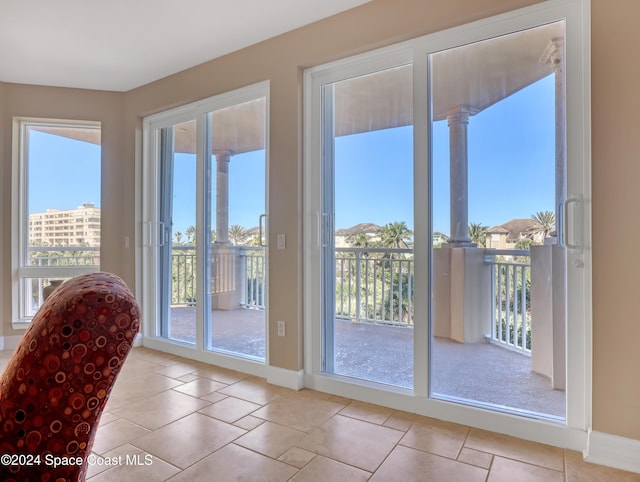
(439, 239)
(343, 236)
(507, 235)
(73, 227)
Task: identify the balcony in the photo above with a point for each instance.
(374, 325)
(375, 318)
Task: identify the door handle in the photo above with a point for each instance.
(565, 237)
(162, 234)
(262, 216)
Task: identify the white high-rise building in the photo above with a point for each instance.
(72, 227)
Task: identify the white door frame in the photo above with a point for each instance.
(572, 434)
(150, 285)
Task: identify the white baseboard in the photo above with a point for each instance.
(613, 451)
(285, 378)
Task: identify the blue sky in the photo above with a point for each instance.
(246, 190)
(511, 166)
(511, 171)
(63, 173)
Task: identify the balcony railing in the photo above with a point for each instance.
(510, 298)
(375, 285)
(53, 263)
(183, 275)
(238, 267)
(59, 256)
(255, 279)
(372, 284)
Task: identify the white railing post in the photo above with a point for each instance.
(507, 276)
(243, 283)
(501, 308)
(523, 304)
(358, 286)
(494, 317)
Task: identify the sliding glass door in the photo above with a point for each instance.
(206, 237)
(445, 225)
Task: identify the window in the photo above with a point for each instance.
(56, 191)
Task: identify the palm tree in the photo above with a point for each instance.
(237, 234)
(395, 235)
(178, 236)
(545, 224)
(191, 234)
(255, 240)
(359, 240)
(393, 272)
(478, 234)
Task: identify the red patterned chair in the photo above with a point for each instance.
(58, 381)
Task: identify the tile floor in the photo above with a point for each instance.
(174, 419)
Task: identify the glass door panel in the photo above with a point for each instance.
(367, 227)
(177, 230)
(236, 249)
(498, 318)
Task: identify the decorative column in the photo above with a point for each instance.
(462, 279)
(554, 55)
(459, 182)
(226, 278)
(222, 196)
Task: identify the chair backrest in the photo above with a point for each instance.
(58, 380)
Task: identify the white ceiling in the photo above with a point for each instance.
(122, 44)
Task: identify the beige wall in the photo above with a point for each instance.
(616, 128)
(56, 103)
(616, 228)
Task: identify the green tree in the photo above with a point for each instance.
(178, 237)
(359, 240)
(254, 241)
(191, 234)
(524, 244)
(478, 234)
(237, 234)
(545, 224)
(395, 235)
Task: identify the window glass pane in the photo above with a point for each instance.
(368, 253)
(237, 251)
(63, 186)
(179, 226)
(498, 271)
(61, 223)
